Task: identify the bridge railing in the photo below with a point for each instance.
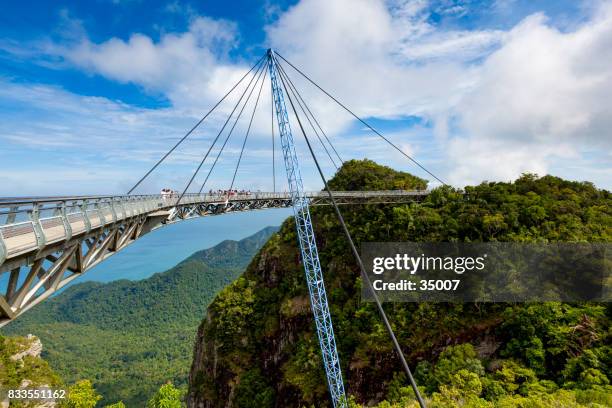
(104, 208)
(27, 224)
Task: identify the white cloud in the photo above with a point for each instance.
(542, 96)
(462, 45)
(185, 67)
(518, 100)
(499, 102)
(56, 142)
(357, 55)
(417, 40)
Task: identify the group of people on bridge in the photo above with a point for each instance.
(168, 193)
(232, 192)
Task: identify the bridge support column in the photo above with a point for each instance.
(308, 245)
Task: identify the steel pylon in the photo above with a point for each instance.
(308, 245)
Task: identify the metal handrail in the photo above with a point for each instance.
(12, 201)
(18, 209)
(77, 215)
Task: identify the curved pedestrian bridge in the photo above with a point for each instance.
(46, 242)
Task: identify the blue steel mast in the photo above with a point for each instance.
(308, 245)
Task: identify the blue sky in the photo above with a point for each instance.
(92, 93)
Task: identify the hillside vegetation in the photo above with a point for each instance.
(128, 338)
(258, 348)
(22, 368)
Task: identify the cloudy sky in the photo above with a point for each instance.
(93, 93)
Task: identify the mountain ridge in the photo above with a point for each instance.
(128, 336)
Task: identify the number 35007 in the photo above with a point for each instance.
(433, 284)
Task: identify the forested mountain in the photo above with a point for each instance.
(257, 347)
(129, 337)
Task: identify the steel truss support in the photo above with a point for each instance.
(34, 282)
(308, 245)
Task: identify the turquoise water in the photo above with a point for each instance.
(167, 246)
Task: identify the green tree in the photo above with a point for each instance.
(452, 360)
(81, 395)
(168, 396)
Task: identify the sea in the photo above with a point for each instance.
(163, 248)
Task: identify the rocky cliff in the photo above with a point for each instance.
(21, 367)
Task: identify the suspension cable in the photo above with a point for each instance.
(309, 111)
(361, 120)
(229, 134)
(246, 136)
(308, 118)
(195, 173)
(358, 258)
(193, 128)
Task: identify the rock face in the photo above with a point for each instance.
(33, 349)
(226, 371)
(28, 352)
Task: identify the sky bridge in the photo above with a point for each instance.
(46, 242)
